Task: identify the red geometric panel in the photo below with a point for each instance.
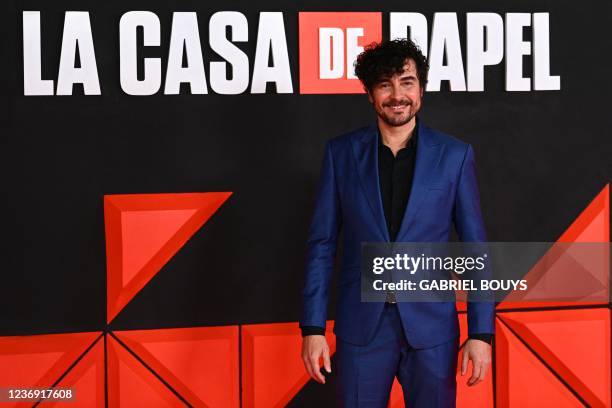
(272, 369)
(144, 234)
(131, 384)
(574, 343)
(143, 231)
(86, 379)
(592, 225)
(39, 360)
(200, 363)
(522, 380)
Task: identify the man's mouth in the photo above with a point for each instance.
(397, 107)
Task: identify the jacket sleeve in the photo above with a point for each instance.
(470, 228)
(322, 242)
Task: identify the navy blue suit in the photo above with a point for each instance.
(444, 192)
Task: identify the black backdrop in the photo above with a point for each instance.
(542, 156)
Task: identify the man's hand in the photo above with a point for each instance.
(315, 348)
(480, 353)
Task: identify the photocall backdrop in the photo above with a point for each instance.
(118, 284)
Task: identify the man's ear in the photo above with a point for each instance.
(369, 94)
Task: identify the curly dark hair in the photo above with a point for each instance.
(386, 58)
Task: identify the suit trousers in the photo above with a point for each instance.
(366, 373)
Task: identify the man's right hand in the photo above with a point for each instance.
(315, 348)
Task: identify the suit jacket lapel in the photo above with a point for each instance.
(429, 152)
(365, 150)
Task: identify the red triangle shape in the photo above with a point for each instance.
(560, 336)
(143, 231)
(40, 360)
(131, 384)
(200, 363)
(592, 225)
(86, 380)
(272, 370)
(144, 234)
(522, 380)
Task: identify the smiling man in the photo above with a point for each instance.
(395, 180)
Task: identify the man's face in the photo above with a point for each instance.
(397, 99)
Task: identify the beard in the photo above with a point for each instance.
(397, 120)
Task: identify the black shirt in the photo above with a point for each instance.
(395, 174)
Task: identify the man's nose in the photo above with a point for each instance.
(396, 94)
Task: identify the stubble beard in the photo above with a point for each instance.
(397, 121)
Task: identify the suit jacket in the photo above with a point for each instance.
(444, 192)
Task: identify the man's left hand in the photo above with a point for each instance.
(479, 352)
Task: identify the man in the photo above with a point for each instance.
(395, 180)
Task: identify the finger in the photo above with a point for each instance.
(483, 372)
(476, 367)
(316, 370)
(311, 370)
(326, 360)
(308, 367)
(478, 379)
(464, 362)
